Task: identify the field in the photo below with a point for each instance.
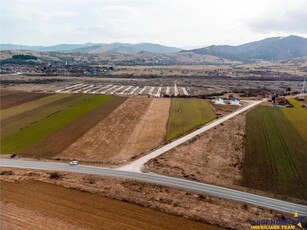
(199, 207)
(58, 117)
(11, 98)
(26, 107)
(215, 156)
(298, 117)
(135, 127)
(186, 115)
(276, 154)
(57, 142)
(63, 208)
(13, 124)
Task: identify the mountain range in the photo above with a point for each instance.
(275, 48)
(96, 48)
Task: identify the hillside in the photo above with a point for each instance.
(276, 48)
(96, 48)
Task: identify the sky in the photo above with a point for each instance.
(179, 23)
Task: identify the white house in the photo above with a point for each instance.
(234, 101)
(219, 101)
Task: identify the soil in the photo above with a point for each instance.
(135, 127)
(222, 110)
(149, 131)
(74, 209)
(59, 141)
(200, 207)
(214, 157)
(10, 99)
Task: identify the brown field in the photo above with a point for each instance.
(56, 207)
(214, 157)
(59, 141)
(135, 127)
(10, 99)
(200, 207)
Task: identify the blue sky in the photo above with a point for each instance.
(178, 23)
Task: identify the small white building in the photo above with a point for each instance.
(234, 101)
(219, 101)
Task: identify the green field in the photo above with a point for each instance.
(186, 115)
(276, 154)
(5, 113)
(298, 117)
(43, 128)
(12, 124)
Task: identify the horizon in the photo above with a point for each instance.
(170, 23)
(101, 43)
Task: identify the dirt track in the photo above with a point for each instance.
(56, 207)
(214, 157)
(135, 127)
(9, 99)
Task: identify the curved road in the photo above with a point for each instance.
(136, 166)
(212, 190)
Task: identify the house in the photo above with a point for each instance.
(219, 101)
(234, 101)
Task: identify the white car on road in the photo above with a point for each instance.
(73, 163)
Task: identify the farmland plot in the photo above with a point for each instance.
(186, 115)
(37, 131)
(11, 99)
(136, 126)
(276, 155)
(298, 117)
(13, 111)
(62, 139)
(15, 123)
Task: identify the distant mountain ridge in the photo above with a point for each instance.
(96, 48)
(275, 48)
(53, 48)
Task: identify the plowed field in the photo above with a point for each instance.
(62, 139)
(18, 97)
(135, 127)
(37, 205)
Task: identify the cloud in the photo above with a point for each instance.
(281, 19)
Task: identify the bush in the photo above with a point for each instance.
(55, 175)
(6, 173)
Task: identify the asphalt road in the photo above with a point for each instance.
(136, 165)
(202, 188)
